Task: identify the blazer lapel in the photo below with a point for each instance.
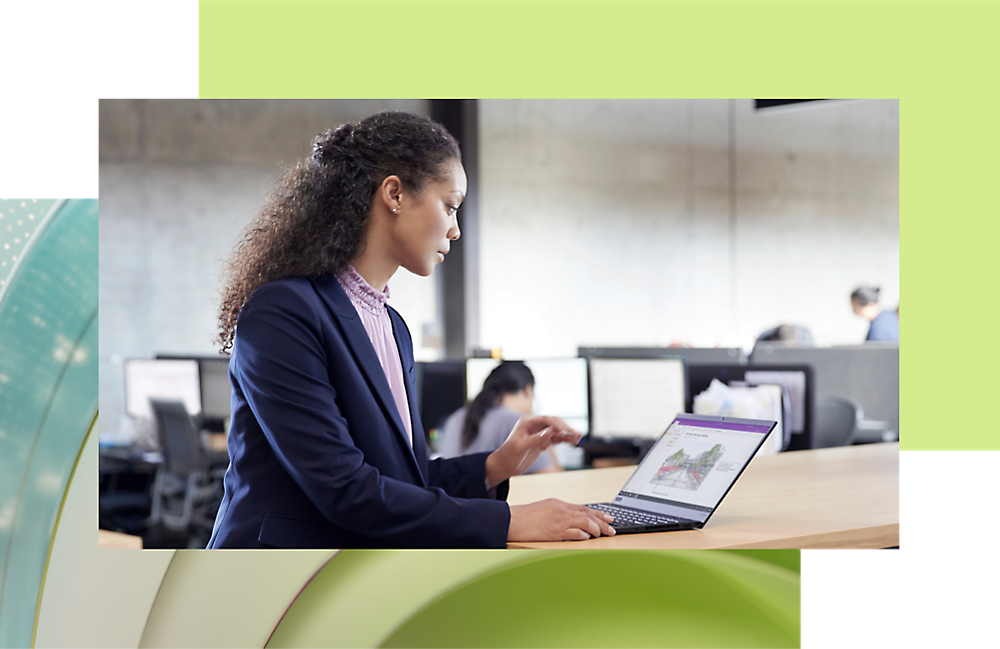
(405, 347)
(364, 353)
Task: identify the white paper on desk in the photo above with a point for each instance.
(760, 402)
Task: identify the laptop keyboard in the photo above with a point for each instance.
(625, 517)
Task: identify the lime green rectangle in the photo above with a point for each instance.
(938, 58)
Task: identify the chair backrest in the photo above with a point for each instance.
(836, 421)
(182, 450)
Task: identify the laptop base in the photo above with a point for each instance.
(633, 521)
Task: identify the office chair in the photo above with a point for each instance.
(186, 494)
(836, 421)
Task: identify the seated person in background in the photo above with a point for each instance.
(788, 334)
(885, 324)
(483, 425)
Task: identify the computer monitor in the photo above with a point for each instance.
(635, 398)
(692, 355)
(174, 379)
(560, 386)
(797, 380)
(476, 371)
(440, 391)
(216, 391)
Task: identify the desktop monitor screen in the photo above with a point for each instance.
(440, 391)
(560, 386)
(216, 392)
(147, 379)
(635, 398)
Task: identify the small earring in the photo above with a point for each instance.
(395, 210)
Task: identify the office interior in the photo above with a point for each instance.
(603, 241)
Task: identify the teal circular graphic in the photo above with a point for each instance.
(48, 389)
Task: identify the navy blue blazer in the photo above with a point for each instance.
(318, 454)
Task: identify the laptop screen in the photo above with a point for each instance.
(692, 466)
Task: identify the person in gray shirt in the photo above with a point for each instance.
(483, 425)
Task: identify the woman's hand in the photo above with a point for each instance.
(555, 520)
(531, 437)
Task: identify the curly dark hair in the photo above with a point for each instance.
(313, 222)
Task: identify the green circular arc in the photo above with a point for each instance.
(548, 599)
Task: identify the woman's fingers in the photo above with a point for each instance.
(553, 520)
(594, 523)
(552, 435)
(570, 436)
(538, 423)
(602, 516)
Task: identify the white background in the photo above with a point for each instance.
(57, 59)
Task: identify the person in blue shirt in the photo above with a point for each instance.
(885, 324)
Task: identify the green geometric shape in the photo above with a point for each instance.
(497, 598)
(789, 560)
(48, 398)
(360, 596)
(616, 599)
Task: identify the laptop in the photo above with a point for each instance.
(686, 474)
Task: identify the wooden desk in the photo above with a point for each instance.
(845, 497)
(107, 539)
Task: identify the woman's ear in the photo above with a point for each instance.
(390, 193)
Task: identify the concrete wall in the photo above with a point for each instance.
(603, 222)
(179, 180)
(646, 222)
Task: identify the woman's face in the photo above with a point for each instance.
(427, 222)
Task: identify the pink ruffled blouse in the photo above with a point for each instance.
(370, 305)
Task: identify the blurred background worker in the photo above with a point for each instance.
(885, 324)
(787, 334)
(507, 395)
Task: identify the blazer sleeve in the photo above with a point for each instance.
(460, 476)
(464, 476)
(284, 373)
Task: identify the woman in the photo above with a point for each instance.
(884, 324)
(322, 443)
(507, 395)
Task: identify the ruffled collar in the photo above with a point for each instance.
(361, 292)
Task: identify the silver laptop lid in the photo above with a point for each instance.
(693, 465)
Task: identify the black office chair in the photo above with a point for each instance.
(836, 421)
(186, 494)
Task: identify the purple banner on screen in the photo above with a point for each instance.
(723, 425)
